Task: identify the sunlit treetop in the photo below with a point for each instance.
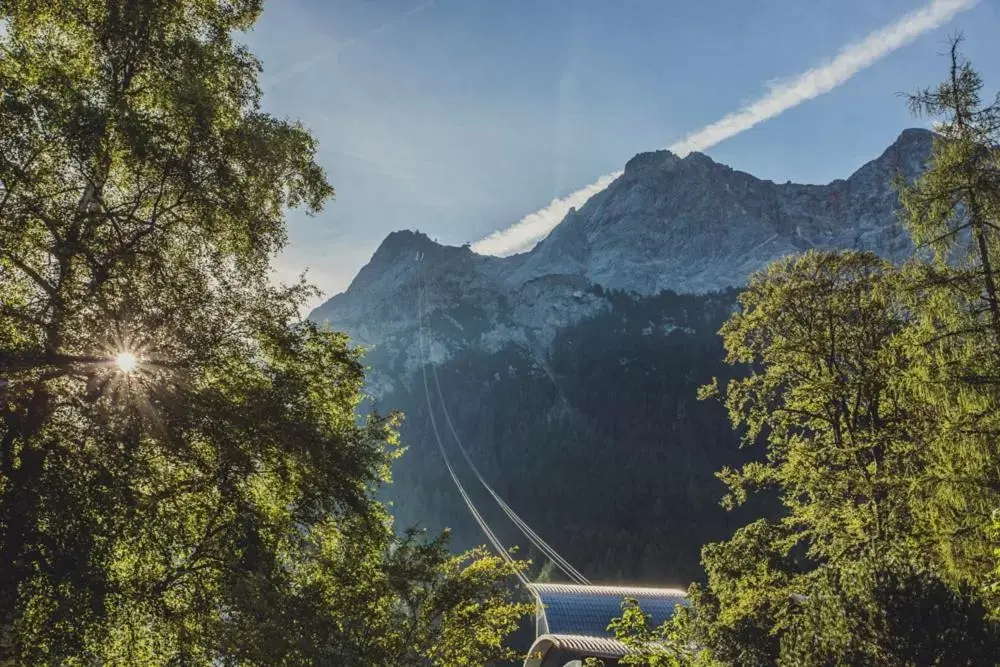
(181, 470)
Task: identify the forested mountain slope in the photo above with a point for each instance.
(570, 371)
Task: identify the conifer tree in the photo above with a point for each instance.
(953, 212)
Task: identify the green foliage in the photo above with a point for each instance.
(823, 328)
(848, 573)
(749, 588)
(880, 613)
(875, 390)
(821, 331)
(954, 209)
(648, 646)
(215, 505)
(369, 597)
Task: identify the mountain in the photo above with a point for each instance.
(694, 225)
(570, 371)
(688, 225)
(602, 447)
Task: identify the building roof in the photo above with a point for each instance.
(569, 609)
(577, 645)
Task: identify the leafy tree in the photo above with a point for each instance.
(828, 335)
(212, 505)
(749, 590)
(649, 646)
(372, 598)
(821, 331)
(875, 391)
(953, 207)
(841, 452)
(888, 614)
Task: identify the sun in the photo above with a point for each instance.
(126, 362)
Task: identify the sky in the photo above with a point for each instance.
(461, 117)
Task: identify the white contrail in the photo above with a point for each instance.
(780, 97)
(532, 228)
(331, 52)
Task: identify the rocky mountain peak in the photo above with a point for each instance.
(914, 136)
(684, 224)
(649, 163)
(698, 158)
(400, 243)
(908, 153)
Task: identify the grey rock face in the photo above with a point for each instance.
(693, 225)
(688, 225)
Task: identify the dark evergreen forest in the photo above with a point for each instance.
(599, 444)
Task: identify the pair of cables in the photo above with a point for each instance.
(544, 547)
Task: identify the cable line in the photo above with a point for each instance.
(490, 535)
(561, 563)
(543, 546)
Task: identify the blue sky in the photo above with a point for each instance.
(458, 117)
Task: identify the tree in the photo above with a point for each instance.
(647, 646)
(823, 330)
(827, 337)
(953, 207)
(889, 614)
(875, 391)
(953, 210)
(372, 598)
(199, 508)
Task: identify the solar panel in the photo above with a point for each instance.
(588, 610)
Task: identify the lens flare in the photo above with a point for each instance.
(126, 362)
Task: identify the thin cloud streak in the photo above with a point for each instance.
(333, 51)
(780, 97)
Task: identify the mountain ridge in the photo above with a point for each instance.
(690, 225)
